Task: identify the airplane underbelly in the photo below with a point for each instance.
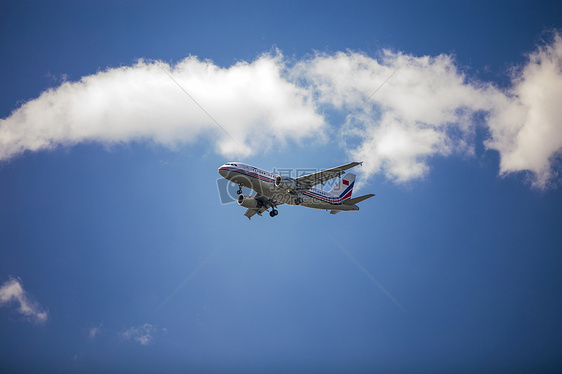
(317, 204)
(261, 187)
(311, 202)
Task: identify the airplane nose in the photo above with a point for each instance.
(222, 171)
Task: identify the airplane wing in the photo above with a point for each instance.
(311, 180)
(251, 212)
(266, 203)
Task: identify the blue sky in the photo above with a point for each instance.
(109, 197)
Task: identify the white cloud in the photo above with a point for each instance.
(253, 102)
(427, 109)
(95, 331)
(13, 292)
(142, 334)
(526, 124)
(399, 149)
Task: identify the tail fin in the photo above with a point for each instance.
(344, 188)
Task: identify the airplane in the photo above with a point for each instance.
(273, 190)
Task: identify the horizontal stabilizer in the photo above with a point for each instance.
(357, 200)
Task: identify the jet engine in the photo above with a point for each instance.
(248, 201)
(285, 183)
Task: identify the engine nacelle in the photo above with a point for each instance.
(248, 201)
(285, 183)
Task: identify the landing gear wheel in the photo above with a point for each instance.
(273, 213)
(239, 189)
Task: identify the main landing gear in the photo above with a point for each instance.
(273, 212)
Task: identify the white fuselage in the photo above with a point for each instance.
(263, 182)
